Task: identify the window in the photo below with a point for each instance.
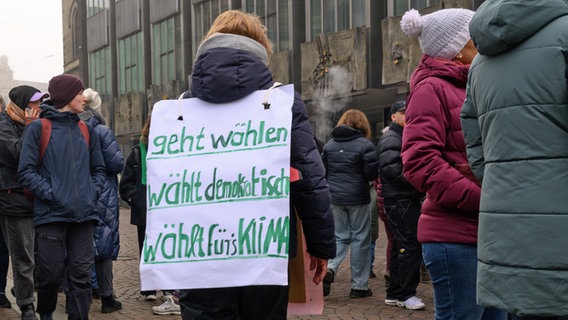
(166, 51)
(131, 64)
(95, 6)
(204, 13)
(100, 71)
(274, 15)
(335, 15)
(399, 7)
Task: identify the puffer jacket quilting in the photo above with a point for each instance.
(515, 122)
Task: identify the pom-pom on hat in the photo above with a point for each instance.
(442, 34)
(64, 88)
(93, 99)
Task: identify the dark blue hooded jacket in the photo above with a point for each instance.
(107, 240)
(223, 74)
(69, 178)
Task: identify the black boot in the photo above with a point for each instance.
(28, 312)
(110, 304)
(327, 280)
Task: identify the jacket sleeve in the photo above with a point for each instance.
(370, 161)
(423, 141)
(311, 196)
(97, 163)
(114, 160)
(128, 180)
(28, 170)
(390, 162)
(10, 145)
(472, 136)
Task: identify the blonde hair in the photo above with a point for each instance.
(243, 24)
(356, 120)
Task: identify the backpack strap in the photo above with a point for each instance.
(45, 136)
(85, 131)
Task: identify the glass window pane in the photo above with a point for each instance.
(343, 15)
(261, 10)
(249, 6)
(419, 4)
(271, 23)
(214, 8)
(358, 7)
(206, 16)
(198, 21)
(329, 16)
(315, 18)
(400, 7)
(283, 22)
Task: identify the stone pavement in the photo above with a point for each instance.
(338, 306)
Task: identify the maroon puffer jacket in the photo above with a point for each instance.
(434, 155)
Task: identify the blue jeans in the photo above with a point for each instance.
(453, 269)
(352, 229)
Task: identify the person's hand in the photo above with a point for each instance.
(320, 267)
(31, 114)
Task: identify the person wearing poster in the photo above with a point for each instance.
(237, 44)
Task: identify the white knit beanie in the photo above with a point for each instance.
(442, 34)
(93, 99)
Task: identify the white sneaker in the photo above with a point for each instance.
(150, 297)
(391, 302)
(412, 303)
(168, 307)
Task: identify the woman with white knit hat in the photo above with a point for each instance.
(435, 161)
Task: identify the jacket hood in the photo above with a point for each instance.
(345, 133)
(499, 25)
(228, 71)
(440, 68)
(92, 117)
(48, 111)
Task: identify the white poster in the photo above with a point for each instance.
(218, 193)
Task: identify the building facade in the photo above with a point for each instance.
(338, 53)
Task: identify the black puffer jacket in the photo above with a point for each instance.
(11, 137)
(351, 163)
(131, 188)
(394, 185)
(222, 74)
(13, 201)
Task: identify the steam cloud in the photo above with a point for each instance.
(331, 96)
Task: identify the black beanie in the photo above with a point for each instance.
(21, 95)
(64, 88)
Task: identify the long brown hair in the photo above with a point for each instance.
(243, 24)
(145, 130)
(356, 120)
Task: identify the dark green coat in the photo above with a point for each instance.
(515, 122)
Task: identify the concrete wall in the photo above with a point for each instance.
(401, 53)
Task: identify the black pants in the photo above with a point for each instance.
(538, 318)
(237, 303)
(406, 252)
(55, 242)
